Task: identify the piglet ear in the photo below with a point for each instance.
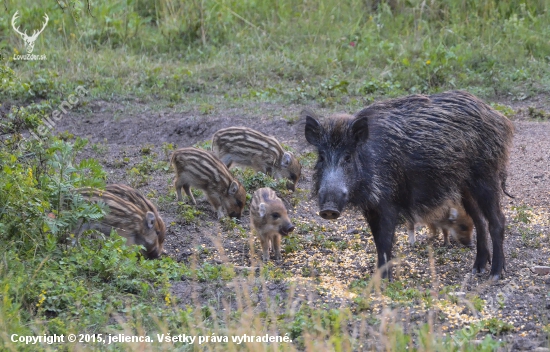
(453, 214)
(150, 219)
(287, 159)
(360, 128)
(261, 210)
(233, 188)
(313, 128)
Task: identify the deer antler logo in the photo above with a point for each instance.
(29, 41)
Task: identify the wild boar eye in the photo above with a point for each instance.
(463, 227)
(276, 215)
(321, 158)
(239, 203)
(347, 158)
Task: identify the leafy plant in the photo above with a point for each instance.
(189, 213)
(523, 213)
(252, 180)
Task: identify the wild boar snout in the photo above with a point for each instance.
(332, 200)
(286, 229)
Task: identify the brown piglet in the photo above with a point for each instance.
(269, 219)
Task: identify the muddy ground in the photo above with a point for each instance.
(331, 255)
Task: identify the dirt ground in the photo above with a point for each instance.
(335, 254)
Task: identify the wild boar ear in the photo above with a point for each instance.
(233, 188)
(150, 219)
(261, 209)
(360, 128)
(287, 159)
(313, 128)
(453, 214)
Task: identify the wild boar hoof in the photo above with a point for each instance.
(479, 271)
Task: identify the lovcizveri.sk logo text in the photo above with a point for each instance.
(28, 39)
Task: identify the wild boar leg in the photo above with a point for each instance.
(264, 240)
(178, 185)
(482, 256)
(187, 190)
(276, 242)
(226, 159)
(216, 204)
(383, 229)
(488, 201)
(410, 232)
(446, 237)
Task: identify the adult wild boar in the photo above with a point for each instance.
(407, 156)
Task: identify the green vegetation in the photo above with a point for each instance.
(206, 145)
(308, 159)
(523, 214)
(52, 282)
(537, 114)
(189, 213)
(140, 173)
(252, 180)
(345, 53)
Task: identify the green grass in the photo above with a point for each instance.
(195, 53)
(252, 180)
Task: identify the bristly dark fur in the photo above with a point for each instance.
(335, 137)
(409, 155)
(445, 138)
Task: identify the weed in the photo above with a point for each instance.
(291, 119)
(342, 245)
(121, 163)
(168, 149)
(359, 285)
(66, 136)
(537, 114)
(232, 224)
(377, 87)
(210, 272)
(252, 180)
(530, 238)
(149, 164)
(496, 326)
(292, 243)
(206, 108)
(307, 318)
(288, 148)
(308, 159)
(189, 213)
(478, 303)
(397, 292)
(507, 110)
(147, 149)
(363, 303)
(137, 178)
(100, 148)
(271, 272)
(304, 227)
(206, 145)
(523, 213)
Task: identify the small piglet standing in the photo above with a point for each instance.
(269, 219)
